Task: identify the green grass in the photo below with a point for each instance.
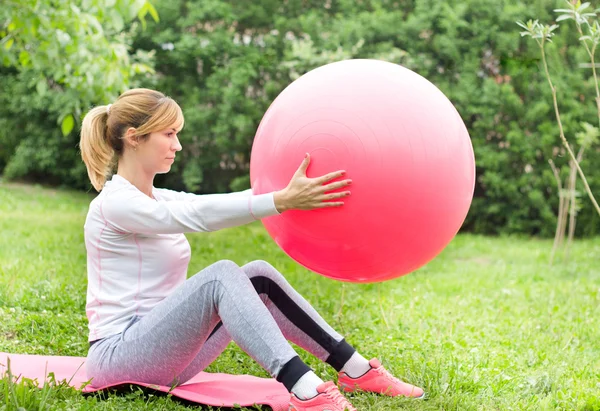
(487, 325)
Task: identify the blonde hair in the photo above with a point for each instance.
(104, 128)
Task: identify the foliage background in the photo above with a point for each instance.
(225, 62)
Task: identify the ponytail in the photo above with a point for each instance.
(96, 152)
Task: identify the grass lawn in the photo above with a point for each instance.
(487, 325)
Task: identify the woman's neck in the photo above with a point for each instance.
(136, 176)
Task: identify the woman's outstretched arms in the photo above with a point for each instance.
(129, 210)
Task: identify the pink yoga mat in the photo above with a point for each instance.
(215, 389)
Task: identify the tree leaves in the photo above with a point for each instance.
(41, 86)
(9, 43)
(226, 61)
(152, 11)
(67, 124)
(78, 46)
(147, 8)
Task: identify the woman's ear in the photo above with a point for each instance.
(130, 138)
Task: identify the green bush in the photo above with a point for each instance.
(57, 59)
(226, 61)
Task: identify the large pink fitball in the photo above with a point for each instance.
(405, 148)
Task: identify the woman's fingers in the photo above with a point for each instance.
(333, 196)
(329, 176)
(325, 200)
(310, 193)
(330, 204)
(301, 171)
(336, 185)
(304, 165)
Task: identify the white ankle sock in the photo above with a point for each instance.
(356, 366)
(306, 386)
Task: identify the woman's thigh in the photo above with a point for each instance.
(159, 346)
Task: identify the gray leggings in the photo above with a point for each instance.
(252, 305)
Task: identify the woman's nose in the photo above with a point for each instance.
(176, 145)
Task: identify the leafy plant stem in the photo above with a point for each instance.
(561, 131)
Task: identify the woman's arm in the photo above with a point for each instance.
(131, 211)
(170, 195)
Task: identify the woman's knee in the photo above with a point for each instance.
(225, 265)
(223, 271)
(265, 278)
(262, 268)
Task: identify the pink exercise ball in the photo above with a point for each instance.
(404, 146)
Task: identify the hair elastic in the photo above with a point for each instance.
(108, 109)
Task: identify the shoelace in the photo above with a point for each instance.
(338, 398)
(387, 375)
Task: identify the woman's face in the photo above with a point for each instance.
(157, 153)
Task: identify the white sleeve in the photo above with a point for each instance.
(170, 195)
(132, 211)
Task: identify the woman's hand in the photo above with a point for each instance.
(303, 193)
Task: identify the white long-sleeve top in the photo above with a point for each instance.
(137, 253)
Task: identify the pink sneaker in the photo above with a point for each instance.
(380, 381)
(328, 399)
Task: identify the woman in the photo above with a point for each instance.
(147, 322)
